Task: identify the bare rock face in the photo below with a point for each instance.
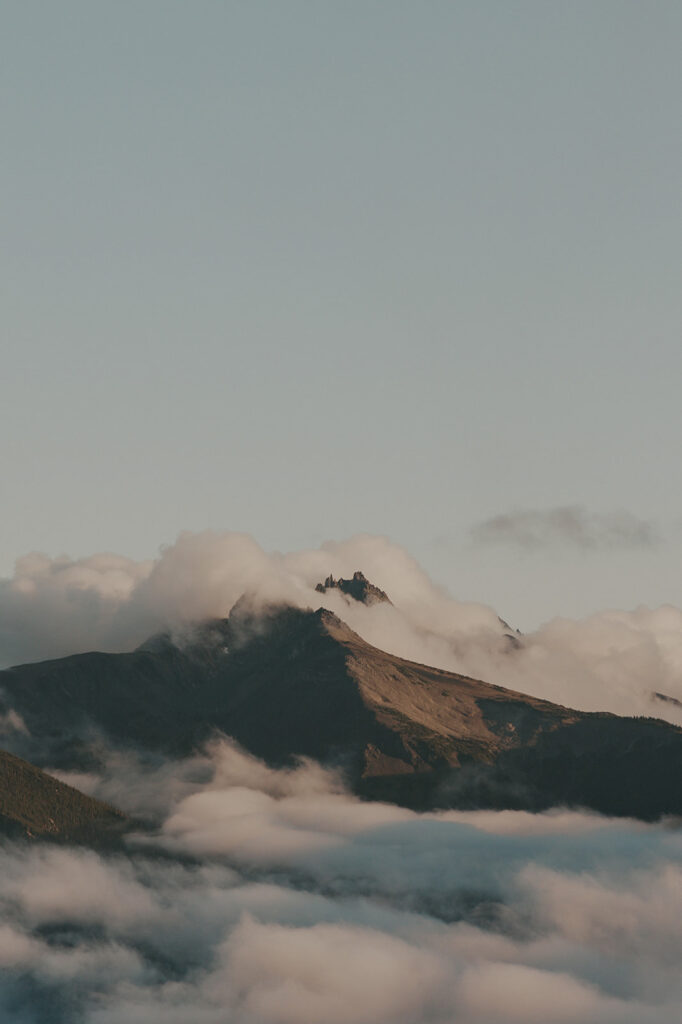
(359, 588)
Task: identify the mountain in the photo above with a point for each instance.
(34, 804)
(289, 682)
(359, 588)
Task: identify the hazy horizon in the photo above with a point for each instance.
(308, 271)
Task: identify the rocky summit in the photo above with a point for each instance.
(359, 588)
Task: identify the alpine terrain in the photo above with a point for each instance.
(289, 683)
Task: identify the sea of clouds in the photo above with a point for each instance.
(261, 896)
(249, 895)
(612, 661)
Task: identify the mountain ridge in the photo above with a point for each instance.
(288, 682)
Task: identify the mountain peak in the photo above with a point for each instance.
(289, 682)
(359, 588)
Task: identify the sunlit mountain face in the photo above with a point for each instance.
(286, 683)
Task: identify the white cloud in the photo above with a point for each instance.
(301, 903)
(613, 661)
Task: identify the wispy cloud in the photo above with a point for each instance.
(567, 525)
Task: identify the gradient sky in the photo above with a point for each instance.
(309, 269)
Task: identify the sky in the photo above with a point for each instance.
(309, 270)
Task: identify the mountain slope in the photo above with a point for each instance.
(34, 804)
(293, 682)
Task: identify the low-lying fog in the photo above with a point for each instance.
(257, 896)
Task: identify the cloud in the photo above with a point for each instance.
(566, 526)
(302, 975)
(269, 896)
(518, 993)
(60, 606)
(375, 915)
(78, 886)
(611, 661)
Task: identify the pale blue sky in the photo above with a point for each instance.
(308, 269)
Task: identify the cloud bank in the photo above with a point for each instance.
(281, 899)
(613, 661)
(54, 607)
(567, 526)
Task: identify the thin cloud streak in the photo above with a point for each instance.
(566, 526)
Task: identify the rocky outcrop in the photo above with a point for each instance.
(359, 588)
